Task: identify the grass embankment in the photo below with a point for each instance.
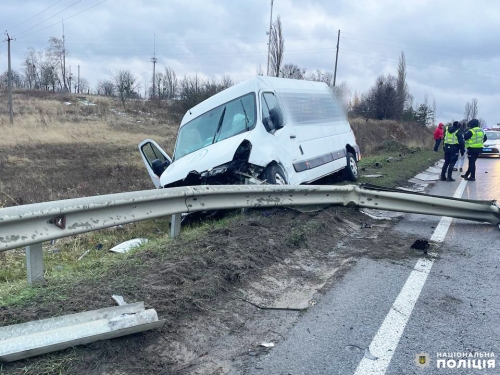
(67, 146)
(62, 147)
(396, 151)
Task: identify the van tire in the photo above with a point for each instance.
(351, 169)
(274, 175)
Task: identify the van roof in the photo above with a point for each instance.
(253, 85)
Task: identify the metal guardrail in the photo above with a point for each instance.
(30, 225)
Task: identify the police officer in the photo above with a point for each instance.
(474, 140)
(453, 144)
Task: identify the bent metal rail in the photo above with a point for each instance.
(30, 225)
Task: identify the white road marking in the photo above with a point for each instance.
(387, 338)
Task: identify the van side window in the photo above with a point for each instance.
(271, 113)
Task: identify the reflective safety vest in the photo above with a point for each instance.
(476, 141)
(450, 138)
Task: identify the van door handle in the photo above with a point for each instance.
(292, 136)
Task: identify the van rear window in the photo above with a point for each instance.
(312, 108)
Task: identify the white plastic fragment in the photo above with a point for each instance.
(128, 245)
(119, 300)
(267, 345)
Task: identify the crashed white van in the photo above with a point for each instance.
(266, 129)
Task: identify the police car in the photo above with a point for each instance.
(492, 145)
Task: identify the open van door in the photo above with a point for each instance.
(155, 159)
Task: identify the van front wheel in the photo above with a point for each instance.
(351, 169)
(274, 175)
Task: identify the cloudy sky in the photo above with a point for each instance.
(452, 48)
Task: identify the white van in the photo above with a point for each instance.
(266, 129)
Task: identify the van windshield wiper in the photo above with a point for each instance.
(219, 125)
(246, 116)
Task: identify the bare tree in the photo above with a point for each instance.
(292, 71)
(193, 90)
(473, 111)
(57, 54)
(30, 64)
(106, 88)
(319, 76)
(16, 79)
(433, 112)
(126, 85)
(401, 86)
(277, 48)
(48, 76)
(467, 112)
(84, 85)
(171, 83)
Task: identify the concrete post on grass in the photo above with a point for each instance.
(175, 225)
(34, 263)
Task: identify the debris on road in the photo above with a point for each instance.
(267, 345)
(421, 245)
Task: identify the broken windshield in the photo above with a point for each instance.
(225, 121)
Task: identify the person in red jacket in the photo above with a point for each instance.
(438, 135)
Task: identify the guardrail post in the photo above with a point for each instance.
(175, 225)
(34, 262)
(245, 210)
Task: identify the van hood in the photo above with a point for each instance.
(202, 160)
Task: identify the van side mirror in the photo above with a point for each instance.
(159, 167)
(276, 117)
(274, 121)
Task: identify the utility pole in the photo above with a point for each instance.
(336, 58)
(153, 59)
(69, 79)
(64, 61)
(9, 78)
(269, 38)
(78, 83)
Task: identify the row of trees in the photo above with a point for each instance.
(46, 70)
(390, 99)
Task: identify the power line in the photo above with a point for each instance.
(420, 64)
(67, 18)
(19, 24)
(421, 50)
(39, 23)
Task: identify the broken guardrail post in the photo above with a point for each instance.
(48, 335)
(175, 225)
(34, 262)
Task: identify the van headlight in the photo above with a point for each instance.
(221, 169)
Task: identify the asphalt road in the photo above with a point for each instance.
(383, 313)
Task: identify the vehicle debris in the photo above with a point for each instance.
(34, 338)
(128, 245)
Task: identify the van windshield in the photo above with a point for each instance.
(232, 118)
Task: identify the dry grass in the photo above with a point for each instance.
(62, 120)
(372, 134)
(64, 146)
